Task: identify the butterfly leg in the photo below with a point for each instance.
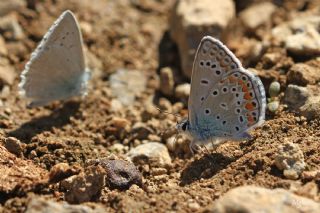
(193, 147)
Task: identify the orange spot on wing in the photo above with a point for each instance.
(247, 96)
(232, 79)
(250, 119)
(244, 88)
(249, 106)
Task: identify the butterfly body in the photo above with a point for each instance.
(226, 101)
(56, 70)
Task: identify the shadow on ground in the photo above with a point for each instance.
(205, 167)
(57, 119)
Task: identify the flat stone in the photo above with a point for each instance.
(300, 36)
(14, 146)
(296, 96)
(126, 85)
(253, 199)
(257, 15)
(152, 153)
(289, 159)
(40, 205)
(191, 20)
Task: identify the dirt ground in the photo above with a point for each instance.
(133, 34)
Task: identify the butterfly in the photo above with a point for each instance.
(56, 69)
(226, 100)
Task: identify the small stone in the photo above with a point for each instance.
(171, 143)
(62, 171)
(167, 81)
(117, 148)
(126, 85)
(121, 174)
(182, 92)
(14, 146)
(290, 160)
(274, 89)
(300, 36)
(257, 15)
(7, 74)
(141, 131)
(158, 171)
(40, 205)
(3, 48)
(262, 200)
(273, 106)
(191, 20)
(296, 96)
(309, 190)
(85, 186)
(311, 109)
(152, 153)
(120, 123)
(310, 175)
(303, 74)
(193, 206)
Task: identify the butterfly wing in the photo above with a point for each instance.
(56, 70)
(226, 100)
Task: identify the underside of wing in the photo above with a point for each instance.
(56, 69)
(213, 60)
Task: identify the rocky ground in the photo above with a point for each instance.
(113, 151)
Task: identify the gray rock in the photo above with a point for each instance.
(290, 160)
(141, 131)
(85, 186)
(303, 74)
(296, 96)
(166, 81)
(300, 36)
(121, 174)
(311, 109)
(126, 85)
(253, 199)
(40, 205)
(152, 153)
(257, 15)
(191, 20)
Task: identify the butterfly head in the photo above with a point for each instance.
(183, 126)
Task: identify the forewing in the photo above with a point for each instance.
(56, 69)
(213, 60)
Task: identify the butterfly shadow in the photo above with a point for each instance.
(205, 167)
(57, 118)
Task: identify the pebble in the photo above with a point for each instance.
(191, 20)
(193, 206)
(296, 96)
(273, 106)
(152, 153)
(182, 92)
(121, 174)
(289, 159)
(84, 186)
(126, 85)
(14, 146)
(11, 28)
(257, 15)
(141, 131)
(300, 36)
(311, 109)
(274, 89)
(303, 74)
(167, 81)
(262, 200)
